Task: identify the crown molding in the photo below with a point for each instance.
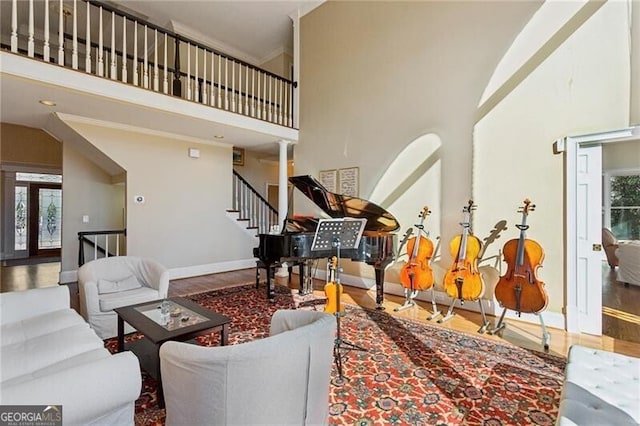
(218, 45)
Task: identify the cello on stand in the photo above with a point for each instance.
(463, 280)
(519, 289)
(416, 275)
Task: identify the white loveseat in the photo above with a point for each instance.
(111, 282)
(50, 356)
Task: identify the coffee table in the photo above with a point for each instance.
(187, 321)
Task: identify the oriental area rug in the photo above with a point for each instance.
(410, 373)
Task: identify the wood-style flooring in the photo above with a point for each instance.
(621, 311)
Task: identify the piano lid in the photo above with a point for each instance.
(337, 205)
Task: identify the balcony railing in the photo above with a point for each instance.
(96, 38)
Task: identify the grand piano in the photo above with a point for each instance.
(293, 245)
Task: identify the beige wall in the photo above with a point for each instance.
(623, 155)
(183, 221)
(280, 65)
(401, 70)
(27, 146)
(87, 190)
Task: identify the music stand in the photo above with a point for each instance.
(342, 233)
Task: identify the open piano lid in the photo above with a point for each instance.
(338, 206)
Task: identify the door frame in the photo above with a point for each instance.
(571, 145)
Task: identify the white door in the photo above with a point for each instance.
(589, 234)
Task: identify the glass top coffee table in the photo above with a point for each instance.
(186, 321)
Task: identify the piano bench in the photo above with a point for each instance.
(261, 265)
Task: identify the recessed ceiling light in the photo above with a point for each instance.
(218, 136)
(47, 103)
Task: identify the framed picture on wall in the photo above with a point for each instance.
(349, 182)
(329, 179)
(238, 156)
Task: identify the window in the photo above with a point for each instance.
(622, 204)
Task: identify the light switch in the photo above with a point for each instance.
(85, 218)
(194, 153)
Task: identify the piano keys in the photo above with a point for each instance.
(293, 245)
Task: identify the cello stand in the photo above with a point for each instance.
(450, 314)
(409, 295)
(546, 337)
(336, 233)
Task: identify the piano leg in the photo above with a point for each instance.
(379, 287)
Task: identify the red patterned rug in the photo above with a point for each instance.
(409, 373)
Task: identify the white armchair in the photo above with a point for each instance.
(282, 379)
(111, 282)
(628, 253)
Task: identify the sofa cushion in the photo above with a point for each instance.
(40, 325)
(72, 362)
(116, 286)
(34, 354)
(110, 301)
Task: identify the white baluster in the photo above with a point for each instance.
(87, 59)
(219, 81)
(240, 88)
(117, 245)
(165, 80)
(106, 245)
(100, 45)
(30, 43)
(135, 54)
(211, 100)
(156, 77)
(195, 83)
(253, 92)
(61, 35)
(145, 68)
(74, 50)
(233, 86)
(14, 26)
(46, 53)
(246, 89)
(258, 98)
(268, 98)
(113, 72)
(124, 49)
(95, 247)
(279, 93)
(226, 80)
(189, 71)
(204, 76)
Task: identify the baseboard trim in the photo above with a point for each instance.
(491, 306)
(211, 268)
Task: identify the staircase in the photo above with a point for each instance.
(250, 209)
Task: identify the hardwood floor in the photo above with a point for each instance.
(621, 325)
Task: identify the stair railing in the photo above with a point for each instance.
(100, 244)
(252, 207)
(109, 43)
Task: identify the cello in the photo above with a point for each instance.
(463, 280)
(332, 289)
(416, 274)
(519, 289)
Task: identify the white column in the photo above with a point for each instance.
(295, 17)
(634, 111)
(283, 202)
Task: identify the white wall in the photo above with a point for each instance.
(86, 190)
(183, 222)
(402, 70)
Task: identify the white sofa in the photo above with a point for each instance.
(282, 379)
(600, 388)
(111, 282)
(50, 356)
(628, 254)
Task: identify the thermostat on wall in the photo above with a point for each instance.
(138, 199)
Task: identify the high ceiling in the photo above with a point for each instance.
(250, 30)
